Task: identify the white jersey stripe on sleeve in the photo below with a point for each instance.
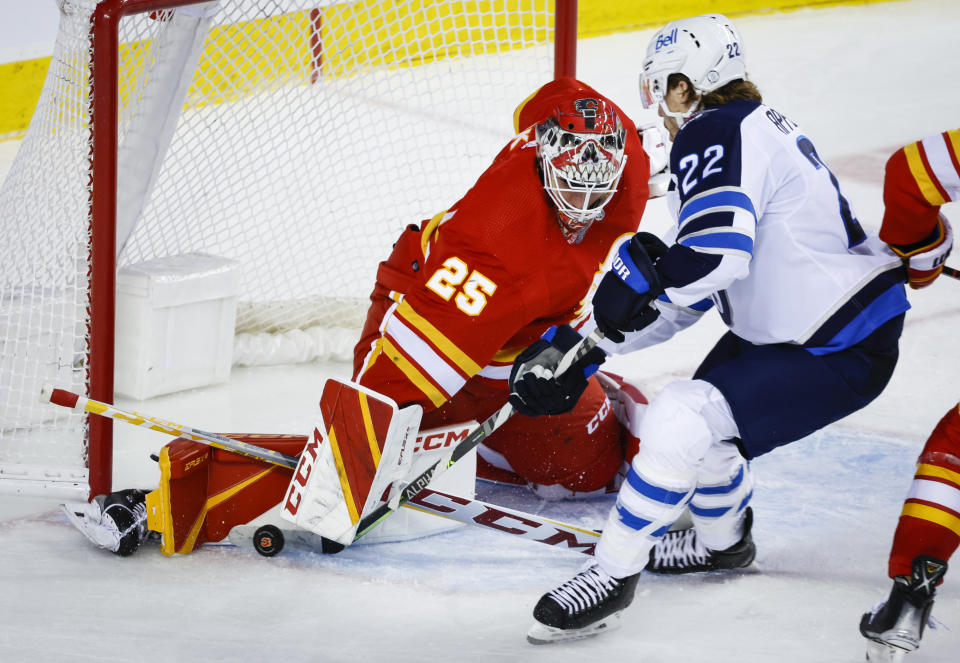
(420, 351)
(938, 156)
(936, 492)
(720, 199)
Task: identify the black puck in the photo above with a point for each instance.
(268, 540)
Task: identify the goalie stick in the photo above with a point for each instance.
(73, 401)
(462, 509)
(476, 436)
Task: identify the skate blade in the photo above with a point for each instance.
(541, 634)
(881, 652)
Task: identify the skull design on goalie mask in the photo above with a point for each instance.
(580, 147)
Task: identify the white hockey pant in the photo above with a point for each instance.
(684, 459)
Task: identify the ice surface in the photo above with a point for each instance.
(860, 80)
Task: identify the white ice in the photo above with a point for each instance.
(860, 80)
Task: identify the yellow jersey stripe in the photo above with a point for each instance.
(507, 355)
(435, 336)
(433, 226)
(516, 113)
(939, 472)
(418, 379)
(933, 515)
(922, 176)
(368, 427)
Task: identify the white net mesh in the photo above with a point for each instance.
(305, 139)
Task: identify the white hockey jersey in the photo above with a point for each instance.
(764, 231)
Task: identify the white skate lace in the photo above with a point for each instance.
(680, 549)
(584, 590)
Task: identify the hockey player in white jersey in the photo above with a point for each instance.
(814, 308)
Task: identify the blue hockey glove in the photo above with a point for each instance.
(622, 300)
(534, 390)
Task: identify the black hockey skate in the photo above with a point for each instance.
(588, 604)
(896, 625)
(116, 522)
(681, 551)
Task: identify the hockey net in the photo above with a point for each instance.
(294, 137)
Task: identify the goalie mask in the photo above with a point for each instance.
(580, 147)
(706, 49)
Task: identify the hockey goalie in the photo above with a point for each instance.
(461, 296)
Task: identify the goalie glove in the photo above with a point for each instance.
(535, 390)
(925, 258)
(623, 299)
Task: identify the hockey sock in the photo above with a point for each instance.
(930, 521)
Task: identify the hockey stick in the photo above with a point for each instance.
(476, 436)
(462, 509)
(452, 507)
(76, 402)
(951, 272)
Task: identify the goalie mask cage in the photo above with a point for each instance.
(294, 137)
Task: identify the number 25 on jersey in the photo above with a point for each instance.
(471, 291)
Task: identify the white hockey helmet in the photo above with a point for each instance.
(581, 150)
(706, 49)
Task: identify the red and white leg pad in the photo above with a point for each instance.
(359, 450)
(363, 451)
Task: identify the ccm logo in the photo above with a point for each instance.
(668, 39)
(307, 460)
(440, 440)
(598, 417)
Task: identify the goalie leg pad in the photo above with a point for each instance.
(580, 450)
(360, 450)
(205, 492)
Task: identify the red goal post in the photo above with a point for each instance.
(294, 137)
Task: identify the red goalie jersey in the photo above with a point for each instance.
(466, 291)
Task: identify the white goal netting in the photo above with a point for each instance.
(296, 138)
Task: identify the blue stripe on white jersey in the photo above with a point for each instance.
(720, 242)
(719, 221)
(763, 228)
(721, 199)
(879, 300)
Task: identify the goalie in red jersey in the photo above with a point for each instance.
(464, 292)
(920, 178)
(460, 296)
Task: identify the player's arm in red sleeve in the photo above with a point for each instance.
(919, 179)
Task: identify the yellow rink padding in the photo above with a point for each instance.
(357, 36)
